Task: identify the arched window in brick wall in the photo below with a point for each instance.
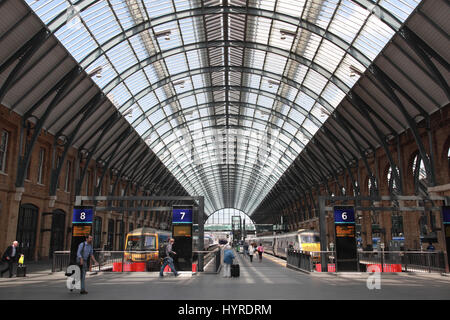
(97, 232)
(394, 189)
(58, 231)
(371, 187)
(27, 229)
(420, 176)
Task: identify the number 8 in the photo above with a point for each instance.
(83, 216)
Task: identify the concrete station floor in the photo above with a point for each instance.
(268, 280)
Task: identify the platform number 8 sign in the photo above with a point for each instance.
(82, 215)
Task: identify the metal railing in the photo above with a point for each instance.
(300, 260)
(60, 260)
(111, 261)
(386, 261)
(212, 260)
(403, 261)
(126, 261)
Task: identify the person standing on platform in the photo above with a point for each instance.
(260, 250)
(251, 251)
(228, 257)
(245, 249)
(430, 247)
(85, 254)
(10, 256)
(168, 260)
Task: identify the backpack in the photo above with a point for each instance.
(163, 251)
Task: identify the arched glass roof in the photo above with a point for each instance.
(226, 93)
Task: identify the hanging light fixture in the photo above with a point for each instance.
(164, 33)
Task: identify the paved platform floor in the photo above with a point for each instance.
(266, 280)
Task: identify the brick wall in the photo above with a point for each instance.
(379, 164)
(37, 194)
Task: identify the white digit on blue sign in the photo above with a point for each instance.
(344, 215)
(182, 215)
(82, 216)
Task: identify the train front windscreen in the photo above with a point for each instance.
(141, 243)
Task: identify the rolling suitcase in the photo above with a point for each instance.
(235, 272)
(21, 271)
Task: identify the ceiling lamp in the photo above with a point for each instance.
(97, 71)
(354, 71)
(180, 83)
(164, 33)
(284, 33)
(128, 113)
(272, 83)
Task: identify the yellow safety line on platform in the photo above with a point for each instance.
(274, 259)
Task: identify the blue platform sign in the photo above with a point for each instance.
(183, 215)
(446, 214)
(344, 214)
(83, 215)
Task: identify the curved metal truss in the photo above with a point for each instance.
(226, 93)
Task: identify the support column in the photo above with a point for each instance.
(323, 234)
(201, 231)
(12, 208)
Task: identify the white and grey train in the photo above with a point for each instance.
(300, 240)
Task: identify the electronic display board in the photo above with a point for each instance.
(345, 231)
(182, 230)
(446, 221)
(81, 227)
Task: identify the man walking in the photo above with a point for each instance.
(84, 254)
(168, 260)
(10, 256)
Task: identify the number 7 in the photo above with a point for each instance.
(182, 215)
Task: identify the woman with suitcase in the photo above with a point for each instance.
(228, 257)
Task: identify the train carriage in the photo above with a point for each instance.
(301, 240)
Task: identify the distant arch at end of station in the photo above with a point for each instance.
(223, 218)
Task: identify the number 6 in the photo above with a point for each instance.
(344, 215)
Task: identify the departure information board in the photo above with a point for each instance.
(446, 214)
(446, 221)
(345, 231)
(182, 232)
(81, 227)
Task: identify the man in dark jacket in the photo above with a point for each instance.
(168, 260)
(10, 256)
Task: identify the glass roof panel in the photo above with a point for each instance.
(227, 110)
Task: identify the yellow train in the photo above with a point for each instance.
(301, 240)
(144, 245)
